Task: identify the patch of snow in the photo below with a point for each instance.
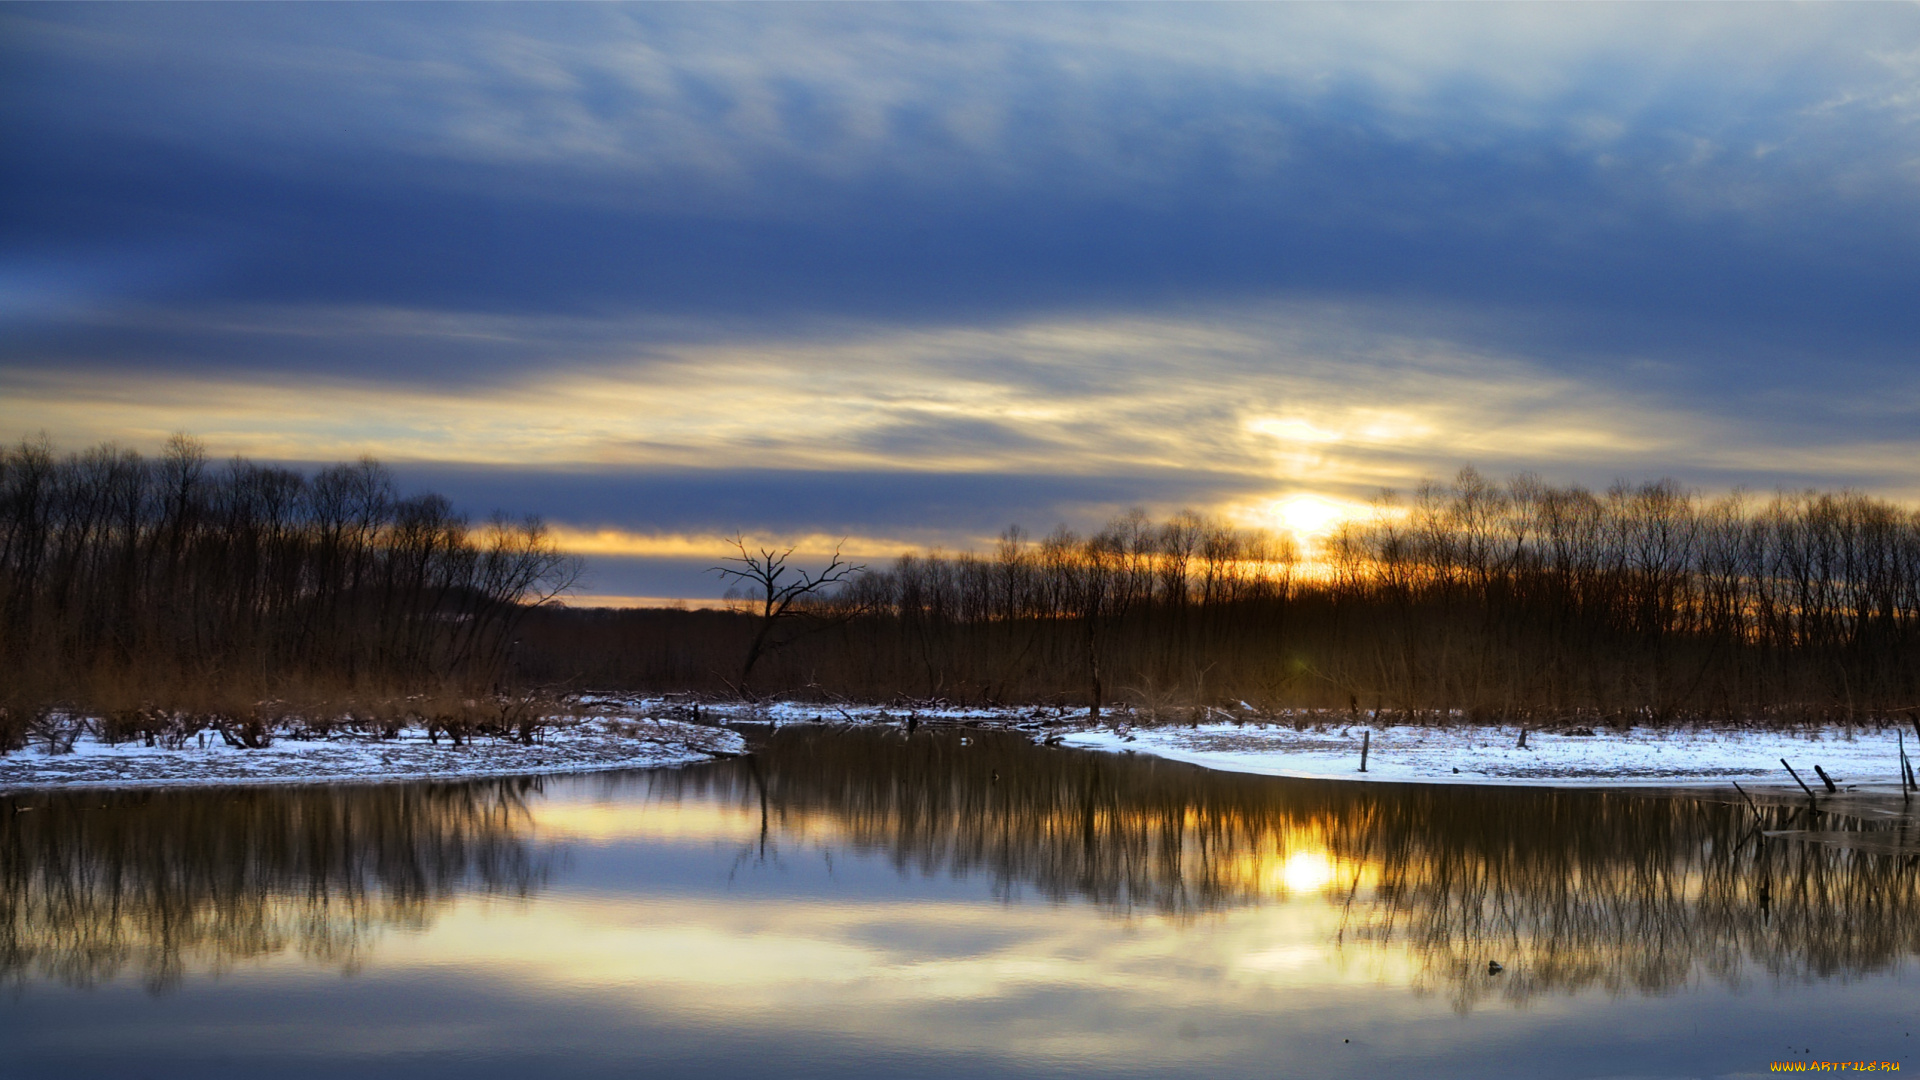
(593, 744)
(636, 732)
(1253, 742)
(1639, 757)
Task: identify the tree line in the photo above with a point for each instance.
(1645, 598)
(127, 580)
(1471, 599)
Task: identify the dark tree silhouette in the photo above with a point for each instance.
(1515, 602)
(780, 595)
(130, 586)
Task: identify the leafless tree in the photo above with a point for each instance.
(127, 582)
(1500, 602)
(782, 594)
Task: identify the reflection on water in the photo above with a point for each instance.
(94, 885)
(1568, 890)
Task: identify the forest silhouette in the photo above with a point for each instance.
(170, 594)
(165, 595)
(1473, 601)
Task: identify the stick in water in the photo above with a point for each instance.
(1797, 780)
(1906, 770)
(1825, 779)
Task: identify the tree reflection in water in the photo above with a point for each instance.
(1567, 889)
(96, 884)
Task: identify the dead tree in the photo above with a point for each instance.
(779, 591)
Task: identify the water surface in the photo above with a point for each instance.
(864, 904)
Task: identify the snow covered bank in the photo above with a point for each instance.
(620, 732)
(1640, 757)
(589, 745)
(1866, 762)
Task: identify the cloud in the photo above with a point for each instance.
(839, 91)
(825, 269)
(1232, 403)
(1602, 170)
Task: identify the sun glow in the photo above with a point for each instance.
(1308, 514)
(1305, 871)
(717, 546)
(1308, 517)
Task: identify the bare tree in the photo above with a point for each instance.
(128, 582)
(781, 592)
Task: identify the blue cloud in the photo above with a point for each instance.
(930, 507)
(1708, 203)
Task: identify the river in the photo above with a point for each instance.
(867, 904)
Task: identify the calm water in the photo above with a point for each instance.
(860, 904)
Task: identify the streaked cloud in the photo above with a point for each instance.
(835, 90)
(1277, 398)
(1265, 395)
(907, 273)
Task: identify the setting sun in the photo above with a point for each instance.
(1307, 516)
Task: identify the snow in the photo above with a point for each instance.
(590, 744)
(1253, 742)
(1638, 757)
(636, 733)
(780, 713)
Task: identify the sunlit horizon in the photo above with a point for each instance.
(695, 272)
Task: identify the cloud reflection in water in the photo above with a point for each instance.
(921, 896)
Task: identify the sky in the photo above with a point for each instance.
(901, 276)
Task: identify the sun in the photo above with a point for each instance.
(1306, 514)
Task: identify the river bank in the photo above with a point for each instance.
(619, 732)
(1579, 757)
(591, 744)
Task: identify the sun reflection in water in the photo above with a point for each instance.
(1304, 872)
